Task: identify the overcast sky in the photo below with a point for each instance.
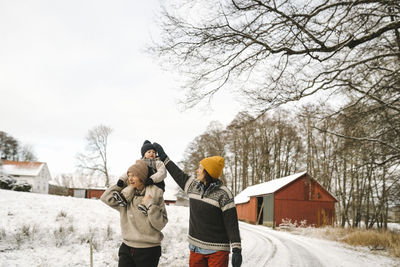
(67, 66)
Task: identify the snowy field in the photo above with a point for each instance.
(46, 230)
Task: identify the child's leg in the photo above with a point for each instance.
(142, 207)
(157, 195)
(120, 199)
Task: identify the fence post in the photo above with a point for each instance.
(91, 252)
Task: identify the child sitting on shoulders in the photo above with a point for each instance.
(156, 175)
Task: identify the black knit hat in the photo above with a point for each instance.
(146, 147)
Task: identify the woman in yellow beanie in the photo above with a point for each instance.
(213, 223)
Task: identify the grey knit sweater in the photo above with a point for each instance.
(139, 230)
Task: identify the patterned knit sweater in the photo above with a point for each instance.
(213, 222)
(139, 230)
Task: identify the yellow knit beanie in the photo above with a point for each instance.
(213, 165)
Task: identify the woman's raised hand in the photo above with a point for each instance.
(160, 151)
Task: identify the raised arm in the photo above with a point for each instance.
(177, 174)
(108, 198)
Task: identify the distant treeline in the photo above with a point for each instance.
(12, 149)
(363, 174)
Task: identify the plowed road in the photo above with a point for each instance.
(263, 246)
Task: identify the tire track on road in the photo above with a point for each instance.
(261, 251)
(285, 252)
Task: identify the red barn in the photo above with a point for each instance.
(94, 193)
(297, 197)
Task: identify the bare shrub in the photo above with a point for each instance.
(26, 230)
(373, 239)
(2, 234)
(388, 241)
(288, 225)
(61, 234)
(18, 239)
(25, 233)
(109, 233)
(90, 236)
(62, 214)
(396, 251)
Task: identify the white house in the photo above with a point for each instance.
(36, 174)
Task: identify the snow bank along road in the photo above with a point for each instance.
(263, 246)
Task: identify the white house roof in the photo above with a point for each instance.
(22, 168)
(265, 188)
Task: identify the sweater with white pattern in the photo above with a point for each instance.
(213, 222)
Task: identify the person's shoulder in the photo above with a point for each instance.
(226, 191)
(153, 188)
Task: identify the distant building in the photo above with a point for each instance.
(36, 174)
(95, 192)
(92, 193)
(297, 197)
(58, 190)
(169, 196)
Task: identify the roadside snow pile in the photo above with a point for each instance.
(47, 230)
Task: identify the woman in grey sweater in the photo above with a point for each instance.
(141, 233)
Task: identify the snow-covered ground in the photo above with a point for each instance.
(45, 230)
(277, 248)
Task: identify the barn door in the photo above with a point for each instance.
(260, 207)
(268, 213)
(80, 193)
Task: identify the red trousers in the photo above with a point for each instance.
(217, 259)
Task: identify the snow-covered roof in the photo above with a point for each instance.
(266, 188)
(22, 168)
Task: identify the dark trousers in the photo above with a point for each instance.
(138, 257)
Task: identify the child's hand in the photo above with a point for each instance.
(121, 183)
(146, 197)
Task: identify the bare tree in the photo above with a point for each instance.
(308, 46)
(275, 52)
(12, 149)
(279, 144)
(26, 153)
(210, 143)
(94, 159)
